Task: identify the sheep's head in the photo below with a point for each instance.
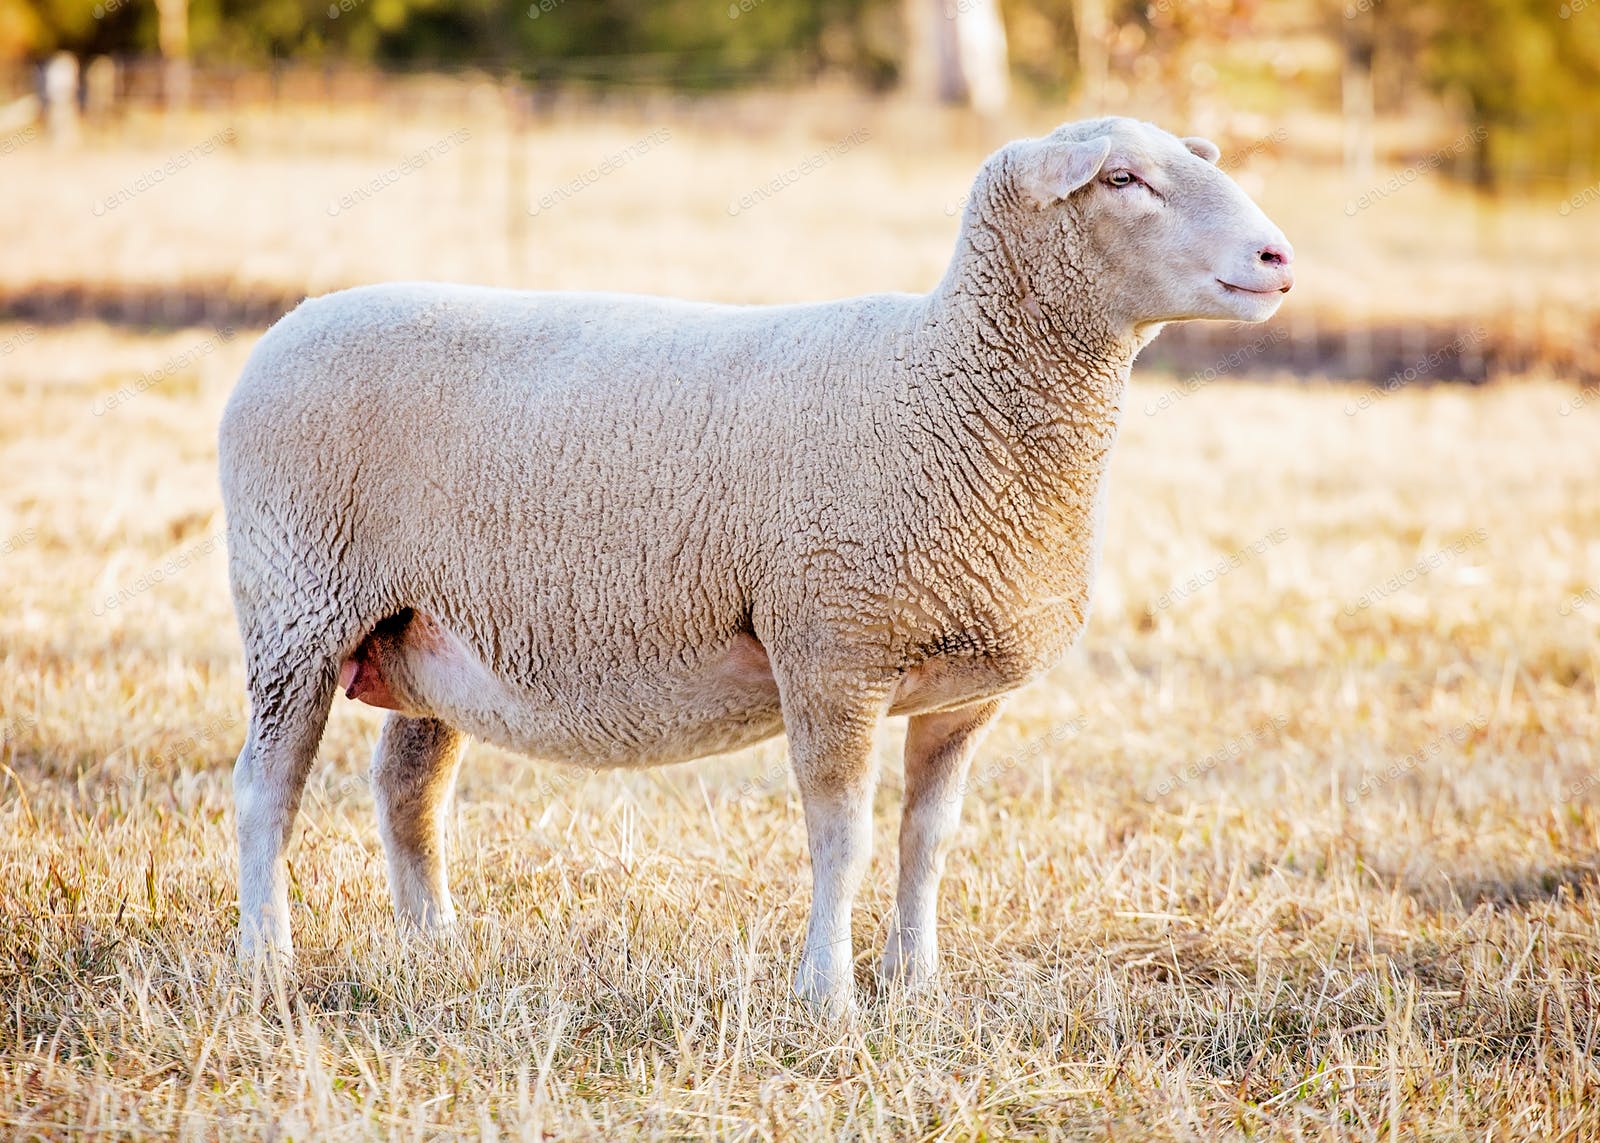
(1152, 225)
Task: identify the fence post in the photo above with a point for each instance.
(99, 88)
(61, 98)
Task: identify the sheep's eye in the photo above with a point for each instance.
(1120, 179)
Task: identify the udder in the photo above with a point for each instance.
(363, 676)
(409, 663)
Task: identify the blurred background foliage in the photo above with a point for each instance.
(682, 43)
(1528, 71)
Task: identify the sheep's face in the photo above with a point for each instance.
(1149, 218)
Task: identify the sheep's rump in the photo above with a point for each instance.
(564, 523)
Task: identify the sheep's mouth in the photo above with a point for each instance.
(1247, 290)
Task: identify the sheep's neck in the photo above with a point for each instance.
(1042, 391)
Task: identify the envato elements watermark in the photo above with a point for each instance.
(182, 750)
(1356, 7)
(1209, 374)
(1402, 179)
(158, 175)
(809, 165)
(1582, 786)
(1429, 563)
(1419, 368)
(1372, 783)
(150, 378)
(541, 7)
(170, 568)
(407, 166)
(1576, 603)
(14, 726)
(1237, 158)
(1578, 402)
(1583, 198)
(342, 6)
(1210, 575)
(742, 8)
(764, 782)
(637, 149)
(17, 541)
(337, 784)
(1573, 7)
(1027, 752)
(109, 7)
(184, 746)
(11, 344)
(18, 139)
(1229, 751)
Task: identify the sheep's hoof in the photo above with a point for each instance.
(259, 955)
(427, 938)
(829, 998)
(427, 919)
(907, 964)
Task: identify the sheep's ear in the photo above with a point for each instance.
(1205, 148)
(1048, 171)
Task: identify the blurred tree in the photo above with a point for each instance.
(173, 37)
(690, 43)
(1529, 72)
(1526, 71)
(39, 27)
(955, 52)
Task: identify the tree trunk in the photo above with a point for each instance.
(957, 53)
(1092, 34)
(173, 38)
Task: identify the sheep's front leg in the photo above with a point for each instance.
(831, 751)
(939, 750)
(413, 776)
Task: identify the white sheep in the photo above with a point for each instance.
(625, 531)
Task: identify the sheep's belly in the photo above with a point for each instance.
(726, 702)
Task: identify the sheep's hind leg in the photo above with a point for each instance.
(413, 776)
(938, 753)
(289, 701)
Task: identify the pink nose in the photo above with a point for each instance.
(1279, 255)
(1276, 254)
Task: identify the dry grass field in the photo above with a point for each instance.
(1300, 843)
